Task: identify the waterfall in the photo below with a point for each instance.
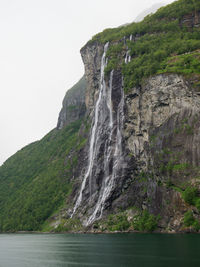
(105, 148)
(128, 56)
(109, 182)
(94, 133)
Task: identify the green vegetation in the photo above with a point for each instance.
(197, 204)
(185, 127)
(114, 55)
(190, 196)
(35, 182)
(145, 176)
(159, 53)
(164, 44)
(68, 225)
(164, 19)
(171, 166)
(145, 222)
(130, 219)
(117, 222)
(186, 63)
(190, 221)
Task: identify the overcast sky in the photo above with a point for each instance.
(39, 59)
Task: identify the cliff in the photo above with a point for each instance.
(125, 154)
(73, 107)
(143, 151)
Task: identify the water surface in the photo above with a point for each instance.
(124, 250)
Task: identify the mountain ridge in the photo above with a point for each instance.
(128, 157)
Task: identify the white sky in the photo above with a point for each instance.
(39, 59)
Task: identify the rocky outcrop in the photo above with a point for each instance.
(73, 107)
(91, 55)
(143, 146)
(162, 134)
(161, 105)
(191, 20)
(157, 138)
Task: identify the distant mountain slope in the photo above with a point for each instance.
(148, 11)
(35, 181)
(73, 104)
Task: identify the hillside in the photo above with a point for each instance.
(36, 181)
(125, 154)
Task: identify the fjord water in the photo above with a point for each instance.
(124, 250)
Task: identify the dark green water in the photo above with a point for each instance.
(135, 250)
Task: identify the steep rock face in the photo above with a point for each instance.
(142, 150)
(159, 142)
(73, 107)
(191, 20)
(162, 133)
(105, 162)
(163, 100)
(91, 55)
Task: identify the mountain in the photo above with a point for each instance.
(73, 104)
(125, 154)
(148, 11)
(36, 181)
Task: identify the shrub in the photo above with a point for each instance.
(145, 222)
(68, 225)
(117, 222)
(189, 220)
(196, 225)
(197, 204)
(189, 195)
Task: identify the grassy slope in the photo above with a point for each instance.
(36, 180)
(160, 37)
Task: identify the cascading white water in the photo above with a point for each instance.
(94, 134)
(109, 102)
(128, 56)
(105, 150)
(109, 182)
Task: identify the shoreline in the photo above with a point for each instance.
(186, 231)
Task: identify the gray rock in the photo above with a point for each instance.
(73, 107)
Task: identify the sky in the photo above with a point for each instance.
(40, 42)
